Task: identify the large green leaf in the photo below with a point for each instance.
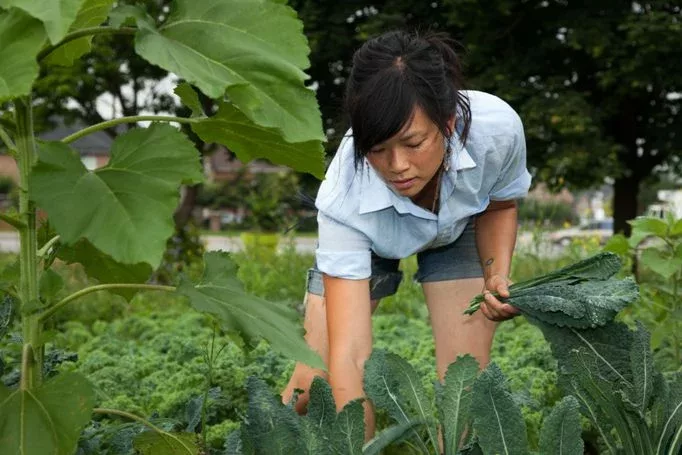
(561, 431)
(649, 226)
(671, 428)
(124, 209)
(249, 141)
(47, 420)
(103, 268)
(253, 51)
(660, 263)
(596, 367)
(349, 429)
(190, 98)
(643, 374)
(219, 292)
(389, 436)
(453, 400)
(318, 423)
(21, 36)
(676, 229)
(155, 443)
(497, 419)
(91, 14)
(56, 15)
(269, 427)
(126, 14)
(392, 384)
(583, 304)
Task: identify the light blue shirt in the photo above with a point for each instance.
(358, 213)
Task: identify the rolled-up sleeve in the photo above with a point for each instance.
(514, 179)
(342, 251)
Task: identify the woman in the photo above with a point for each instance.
(429, 169)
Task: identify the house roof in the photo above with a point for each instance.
(221, 160)
(98, 143)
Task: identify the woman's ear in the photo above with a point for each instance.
(451, 125)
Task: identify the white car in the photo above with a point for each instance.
(602, 229)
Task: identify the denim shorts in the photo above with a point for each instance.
(455, 261)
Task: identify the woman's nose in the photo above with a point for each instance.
(398, 161)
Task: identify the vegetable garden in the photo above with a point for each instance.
(97, 358)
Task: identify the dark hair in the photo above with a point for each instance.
(397, 71)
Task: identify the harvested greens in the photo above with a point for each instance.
(581, 295)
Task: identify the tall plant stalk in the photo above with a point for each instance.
(28, 286)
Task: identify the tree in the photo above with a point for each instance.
(595, 82)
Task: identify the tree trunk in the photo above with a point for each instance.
(625, 192)
(189, 196)
(184, 211)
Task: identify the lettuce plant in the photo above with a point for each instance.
(247, 55)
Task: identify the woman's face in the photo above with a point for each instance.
(409, 160)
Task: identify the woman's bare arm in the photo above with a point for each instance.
(349, 328)
(495, 240)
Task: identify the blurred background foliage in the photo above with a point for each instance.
(594, 82)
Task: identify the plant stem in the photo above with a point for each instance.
(144, 422)
(7, 140)
(26, 370)
(86, 32)
(45, 315)
(17, 224)
(119, 121)
(129, 416)
(43, 251)
(28, 262)
(209, 381)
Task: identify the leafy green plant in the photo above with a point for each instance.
(606, 371)
(610, 371)
(547, 213)
(115, 220)
(476, 412)
(274, 428)
(656, 247)
(268, 201)
(580, 295)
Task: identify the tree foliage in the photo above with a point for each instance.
(595, 83)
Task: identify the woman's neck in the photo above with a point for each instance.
(427, 197)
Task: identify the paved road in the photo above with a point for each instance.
(9, 242)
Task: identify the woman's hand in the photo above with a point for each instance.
(491, 307)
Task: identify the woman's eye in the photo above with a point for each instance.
(414, 146)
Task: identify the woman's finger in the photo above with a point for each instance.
(491, 309)
(498, 309)
(502, 290)
(486, 310)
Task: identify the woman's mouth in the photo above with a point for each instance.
(403, 184)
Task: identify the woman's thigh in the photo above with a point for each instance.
(451, 276)
(455, 333)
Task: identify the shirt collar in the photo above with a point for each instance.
(376, 195)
